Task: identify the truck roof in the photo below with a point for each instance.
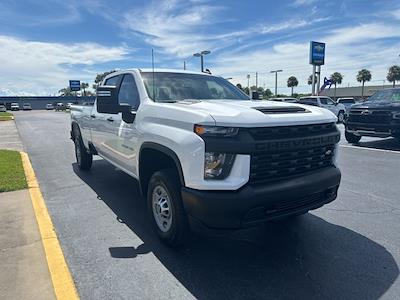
(159, 70)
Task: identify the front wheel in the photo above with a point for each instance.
(83, 158)
(340, 117)
(166, 208)
(351, 137)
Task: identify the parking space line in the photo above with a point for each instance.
(370, 149)
(63, 283)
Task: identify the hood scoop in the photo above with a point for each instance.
(281, 110)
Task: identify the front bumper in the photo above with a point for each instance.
(374, 130)
(253, 204)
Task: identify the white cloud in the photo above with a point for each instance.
(348, 50)
(43, 67)
(396, 14)
(302, 2)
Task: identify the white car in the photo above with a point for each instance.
(347, 102)
(284, 99)
(2, 108)
(49, 106)
(338, 109)
(26, 106)
(14, 106)
(204, 153)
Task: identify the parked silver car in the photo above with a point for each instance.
(338, 109)
(347, 102)
(2, 108)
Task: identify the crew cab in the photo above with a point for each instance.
(379, 116)
(338, 109)
(206, 155)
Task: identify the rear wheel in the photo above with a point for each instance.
(83, 157)
(340, 116)
(352, 138)
(166, 208)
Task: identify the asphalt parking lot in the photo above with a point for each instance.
(349, 249)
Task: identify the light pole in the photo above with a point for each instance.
(248, 83)
(276, 80)
(201, 55)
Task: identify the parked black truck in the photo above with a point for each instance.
(379, 116)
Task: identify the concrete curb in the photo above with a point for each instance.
(64, 286)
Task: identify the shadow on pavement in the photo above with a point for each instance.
(305, 258)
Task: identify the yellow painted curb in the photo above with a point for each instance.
(63, 284)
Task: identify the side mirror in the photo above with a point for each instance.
(127, 115)
(107, 100)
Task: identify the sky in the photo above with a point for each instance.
(43, 43)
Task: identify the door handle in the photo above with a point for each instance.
(93, 116)
(110, 119)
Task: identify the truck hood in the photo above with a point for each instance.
(255, 113)
(377, 105)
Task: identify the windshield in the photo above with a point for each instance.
(346, 101)
(386, 96)
(181, 86)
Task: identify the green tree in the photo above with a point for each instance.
(393, 74)
(65, 92)
(84, 86)
(292, 82)
(363, 76)
(309, 80)
(267, 93)
(239, 86)
(99, 78)
(336, 78)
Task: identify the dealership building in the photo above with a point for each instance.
(39, 102)
(353, 91)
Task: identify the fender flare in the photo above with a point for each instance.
(167, 151)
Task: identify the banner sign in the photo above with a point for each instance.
(317, 53)
(75, 85)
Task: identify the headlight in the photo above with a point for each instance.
(396, 115)
(217, 165)
(215, 131)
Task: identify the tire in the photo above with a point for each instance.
(340, 116)
(352, 138)
(164, 192)
(83, 158)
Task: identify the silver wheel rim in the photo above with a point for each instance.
(341, 117)
(161, 205)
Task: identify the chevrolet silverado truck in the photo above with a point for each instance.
(204, 153)
(379, 116)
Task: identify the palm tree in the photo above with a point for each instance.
(65, 92)
(393, 74)
(292, 82)
(336, 78)
(84, 86)
(309, 80)
(363, 76)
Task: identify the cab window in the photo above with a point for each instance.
(113, 81)
(128, 92)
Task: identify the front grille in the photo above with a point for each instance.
(268, 166)
(368, 116)
(283, 132)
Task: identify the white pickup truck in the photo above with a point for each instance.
(204, 153)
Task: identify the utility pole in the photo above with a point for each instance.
(276, 80)
(313, 80)
(248, 83)
(319, 79)
(256, 80)
(184, 64)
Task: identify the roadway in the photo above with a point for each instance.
(349, 249)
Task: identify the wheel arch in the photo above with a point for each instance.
(159, 154)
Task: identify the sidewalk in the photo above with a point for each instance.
(24, 270)
(9, 137)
